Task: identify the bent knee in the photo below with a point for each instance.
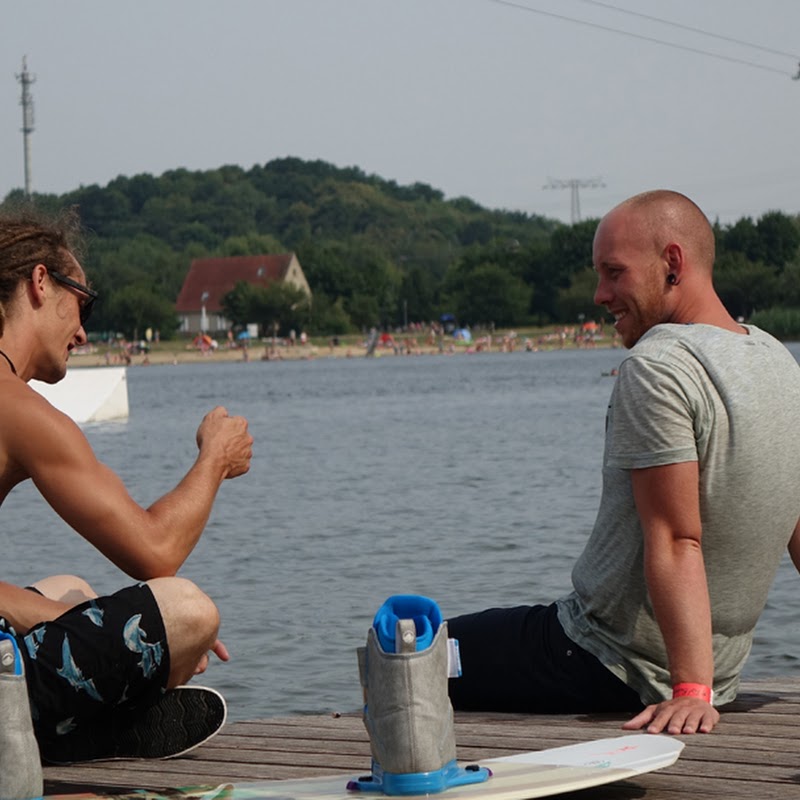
(185, 607)
(69, 589)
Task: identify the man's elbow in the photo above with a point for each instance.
(156, 563)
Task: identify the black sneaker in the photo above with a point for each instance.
(182, 719)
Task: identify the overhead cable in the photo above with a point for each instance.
(652, 39)
(693, 30)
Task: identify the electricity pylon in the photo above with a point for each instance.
(26, 101)
(573, 184)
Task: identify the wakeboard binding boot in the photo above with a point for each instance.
(407, 712)
(20, 763)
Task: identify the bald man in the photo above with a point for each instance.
(701, 497)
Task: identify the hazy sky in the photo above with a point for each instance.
(478, 98)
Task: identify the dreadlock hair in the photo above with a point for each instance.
(28, 237)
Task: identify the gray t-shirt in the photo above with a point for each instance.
(732, 403)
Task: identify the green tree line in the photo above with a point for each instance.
(377, 254)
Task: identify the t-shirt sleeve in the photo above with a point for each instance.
(652, 416)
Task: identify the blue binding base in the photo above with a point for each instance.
(17, 655)
(407, 783)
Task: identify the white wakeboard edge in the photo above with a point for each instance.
(524, 776)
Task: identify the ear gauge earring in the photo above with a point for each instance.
(672, 280)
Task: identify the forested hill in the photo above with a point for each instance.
(359, 237)
(375, 253)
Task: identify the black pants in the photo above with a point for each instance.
(519, 659)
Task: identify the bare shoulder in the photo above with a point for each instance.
(32, 430)
(21, 401)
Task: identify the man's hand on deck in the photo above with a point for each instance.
(680, 715)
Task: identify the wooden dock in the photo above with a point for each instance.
(754, 753)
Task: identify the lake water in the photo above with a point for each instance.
(473, 479)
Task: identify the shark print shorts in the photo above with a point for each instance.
(100, 656)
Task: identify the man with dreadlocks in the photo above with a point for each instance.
(105, 675)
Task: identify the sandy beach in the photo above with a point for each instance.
(180, 352)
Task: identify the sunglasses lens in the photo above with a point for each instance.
(86, 310)
(86, 306)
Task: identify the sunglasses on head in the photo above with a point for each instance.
(91, 295)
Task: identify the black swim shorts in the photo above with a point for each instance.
(519, 659)
(100, 656)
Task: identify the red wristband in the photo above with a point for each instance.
(699, 690)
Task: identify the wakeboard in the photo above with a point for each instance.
(524, 776)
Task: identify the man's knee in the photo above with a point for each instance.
(189, 614)
(68, 589)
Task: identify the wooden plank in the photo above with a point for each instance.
(753, 752)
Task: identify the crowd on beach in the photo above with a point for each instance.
(416, 339)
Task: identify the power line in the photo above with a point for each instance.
(690, 28)
(650, 39)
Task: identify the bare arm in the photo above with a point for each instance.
(667, 500)
(145, 543)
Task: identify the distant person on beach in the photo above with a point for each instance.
(102, 672)
(701, 497)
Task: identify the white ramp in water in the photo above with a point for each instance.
(89, 394)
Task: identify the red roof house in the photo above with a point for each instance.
(199, 304)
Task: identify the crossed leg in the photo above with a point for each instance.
(191, 619)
